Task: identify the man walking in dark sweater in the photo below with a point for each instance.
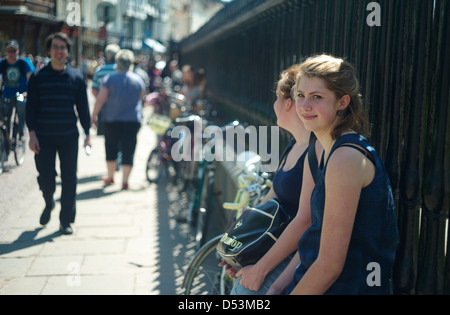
(52, 123)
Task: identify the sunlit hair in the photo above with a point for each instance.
(340, 78)
(124, 60)
(111, 51)
(287, 81)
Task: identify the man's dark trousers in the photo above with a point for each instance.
(67, 149)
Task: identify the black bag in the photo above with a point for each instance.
(253, 234)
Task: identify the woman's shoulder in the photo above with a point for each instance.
(351, 160)
(351, 137)
(348, 148)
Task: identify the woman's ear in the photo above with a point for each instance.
(290, 104)
(343, 102)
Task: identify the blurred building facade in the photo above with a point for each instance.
(141, 25)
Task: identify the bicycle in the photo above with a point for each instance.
(198, 183)
(160, 160)
(10, 139)
(189, 116)
(200, 198)
(204, 275)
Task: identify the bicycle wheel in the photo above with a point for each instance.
(206, 198)
(204, 276)
(192, 187)
(186, 176)
(3, 151)
(154, 166)
(19, 145)
(172, 171)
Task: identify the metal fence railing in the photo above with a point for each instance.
(403, 67)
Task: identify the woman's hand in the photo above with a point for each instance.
(100, 101)
(252, 277)
(229, 270)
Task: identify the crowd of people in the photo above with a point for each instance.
(51, 88)
(344, 217)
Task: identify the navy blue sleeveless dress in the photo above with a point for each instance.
(373, 244)
(288, 185)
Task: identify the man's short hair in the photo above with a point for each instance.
(59, 35)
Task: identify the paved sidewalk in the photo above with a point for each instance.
(124, 242)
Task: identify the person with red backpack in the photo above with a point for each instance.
(15, 74)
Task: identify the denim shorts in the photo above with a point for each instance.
(239, 289)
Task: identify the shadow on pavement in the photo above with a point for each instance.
(26, 240)
(94, 193)
(177, 246)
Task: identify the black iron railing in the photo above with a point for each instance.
(403, 67)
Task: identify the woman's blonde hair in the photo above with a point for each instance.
(124, 59)
(287, 81)
(340, 77)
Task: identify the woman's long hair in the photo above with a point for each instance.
(340, 77)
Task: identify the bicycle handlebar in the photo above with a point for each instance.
(242, 196)
(242, 201)
(246, 180)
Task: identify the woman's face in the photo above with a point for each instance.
(316, 105)
(188, 77)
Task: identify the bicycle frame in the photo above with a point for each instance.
(4, 145)
(165, 144)
(9, 112)
(163, 159)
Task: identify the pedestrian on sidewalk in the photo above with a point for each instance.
(194, 80)
(120, 100)
(15, 73)
(109, 68)
(52, 123)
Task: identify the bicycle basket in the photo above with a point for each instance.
(160, 124)
(175, 111)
